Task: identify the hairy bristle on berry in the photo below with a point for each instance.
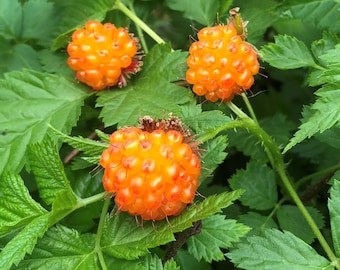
(221, 64)
(152, 173)
(103, 55)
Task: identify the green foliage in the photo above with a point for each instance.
(277, 250)
(151, 92)
(259, 184)
(287, 53)
(217, 232)
(261, 155)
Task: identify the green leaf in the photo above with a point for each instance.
(53, 62)
(10, 18)
(324, 14)
(48, 169)
(48, 18)
(88, 146)
(154, 263)
(17, 57)
(65, 203)
(213, 155)
(17, 208)
(334, 212)
(201, 11)
(124, 239)
(277, 250)
(186, 261)
(321, 46)
(257, 222)
(287, 53)
(62, 248)
(206, 120)
(320, 116)
(29, 102)
(331, 56)
(290, 219)
(23, 242)
(150, 93)
(217, 232)
(258, 181)
(75, 14)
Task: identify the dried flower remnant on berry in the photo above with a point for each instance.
(103, 55)
(221, 64)
(152, 170)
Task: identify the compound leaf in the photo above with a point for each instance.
(320, 116)
(277, 250)
(150, 93)
(17, 208)
(48, 169)
(23, 242)
(127, 241)
(29, 101)
(287, 53)
(258, 181)
(61, 247)
(217, 232)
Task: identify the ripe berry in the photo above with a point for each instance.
(102, 55)
(153, 171)
(221, 64)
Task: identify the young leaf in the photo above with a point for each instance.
(150, 93)
(217, 232)
(124, 239)
(259, 184)
(320, 116)
(23, 242)
(320, 47)
(48, 170)
(277, 250)
(154, 263)
(201, 11)
(29, 101)
(17, 208)
(290, 219)
(62, 247)
(287, 53)
(324, 14)
(88, 146)
(334, 212)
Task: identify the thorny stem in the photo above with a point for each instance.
(139, 22)
(276, 160)
(100, 233)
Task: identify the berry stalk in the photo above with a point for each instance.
(119, 5)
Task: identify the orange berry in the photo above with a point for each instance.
(152, 173)
(101, 55)
(221, 64)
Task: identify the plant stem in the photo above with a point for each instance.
(139, 30)
(249, 107)
(100, 233)
(276, 160)
(139, 22)
(92, 199)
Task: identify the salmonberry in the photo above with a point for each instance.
(102, 55)
(153, 170)
(221, 64)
